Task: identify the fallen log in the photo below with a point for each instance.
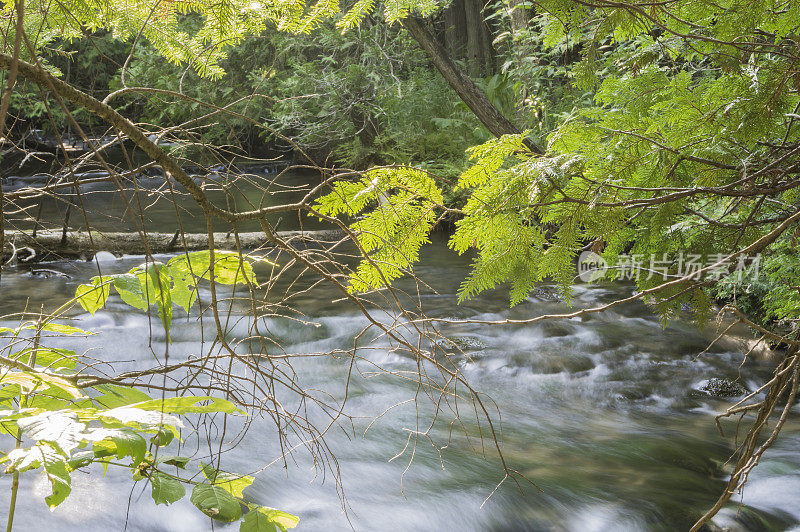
(49, 243)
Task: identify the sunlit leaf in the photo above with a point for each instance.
(283, 519)
(126, 443)
(216, 503)
(255, 521)
(165, 489)
(162, 438)
(60, 428)
(147, 417)
(48, 357)
(233, 484)
(58, 475)
(92, 296)
(229, 266)
(263, 518)
(177, 461)
(129, 288)
(115, 395)
(190, 404)
(66, 329)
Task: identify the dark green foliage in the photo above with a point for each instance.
(89, 64)
(368, 96)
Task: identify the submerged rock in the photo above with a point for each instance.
(46, 274)
(717, 387)
(464, 343)
(546, 293)
(104, 256)
(561, 363)
(749, 518)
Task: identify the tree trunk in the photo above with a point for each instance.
(480, 54)
(486, 40)
(519, 16)
(475, 60)
(455, 32)
(475, 99)
(367, 129)
(81, 243)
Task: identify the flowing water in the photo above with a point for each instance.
(603, 413)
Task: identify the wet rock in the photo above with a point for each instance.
(104, 257)
(633, 393)
(464, 343)
(717, 387)
(558, 328)
(748, 518)
(561, 363)
(46, 274)
(546, 293)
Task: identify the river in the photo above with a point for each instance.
(603, 413)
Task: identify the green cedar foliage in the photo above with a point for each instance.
(202, 47)
(688, 148)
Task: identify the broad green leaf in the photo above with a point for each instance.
(155, 279)
(66, 329)
(9, 392)
(284, 520)
(92, 296)
(184, 287)
(129, 288)
(255, 521)
(162, 438)
(58, 475)
(115, 395)
(126, 443)
(32, 458)
(165, 489)
(177, 461)
(216, 503)
(49, 357)
(103, 449)
(54, 464)
(183, 294)
(189, 404)
(267, 519)
(233, 484)
(25, 381)
(80, 459)
(145, 417)
(58, 382)
(29, 381)
(52, 399)
(61, 428)
(229, 266)
(159, 278)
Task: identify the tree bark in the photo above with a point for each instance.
(367, 128)
(475, 59)
(79, 243)
(475, 99)
(455, 32)
(519, 16)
